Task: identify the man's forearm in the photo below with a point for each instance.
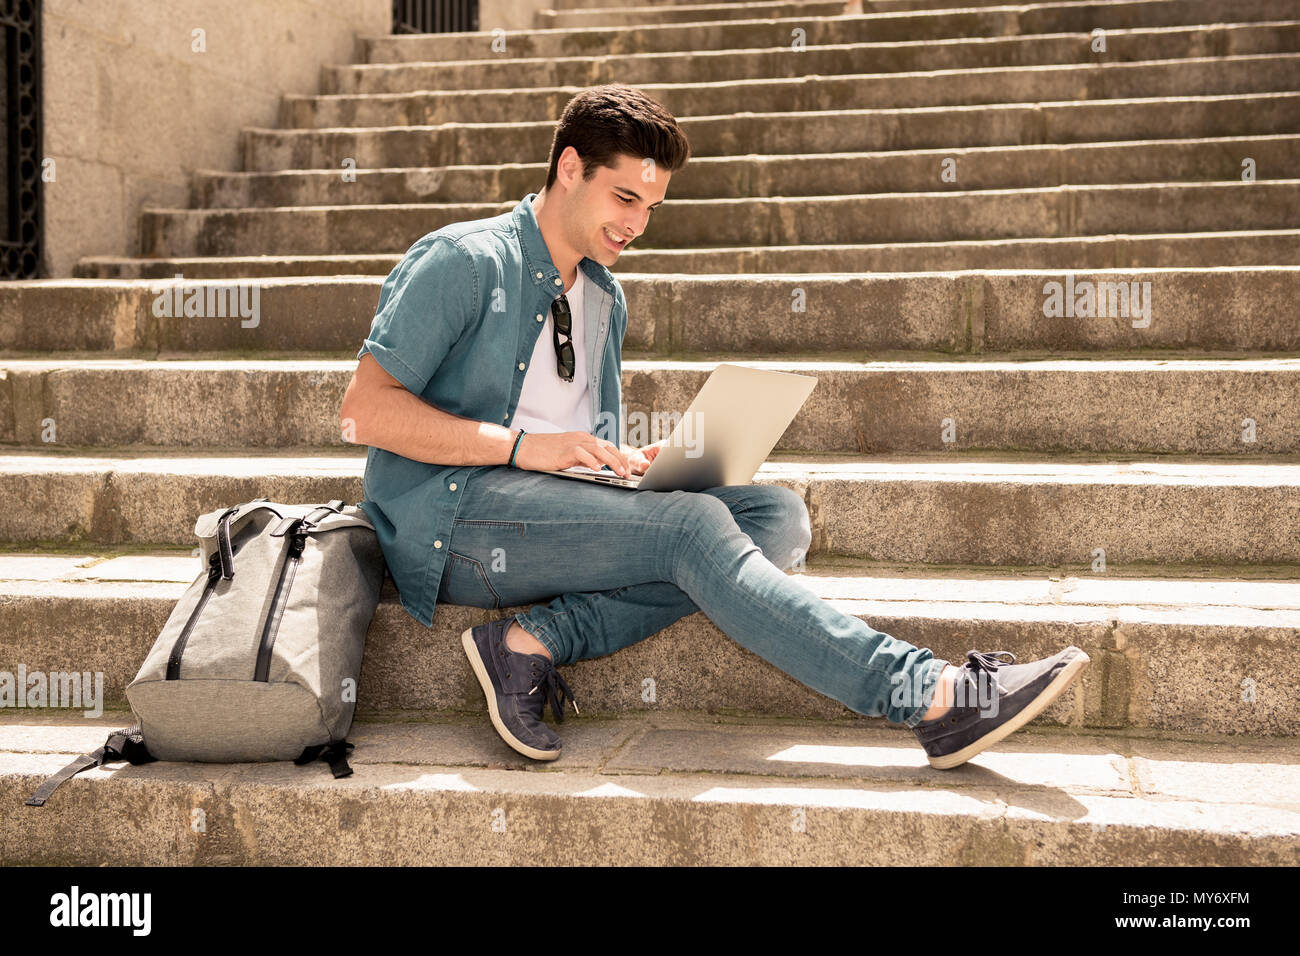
(409, 426)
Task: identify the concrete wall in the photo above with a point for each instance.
(131, 109)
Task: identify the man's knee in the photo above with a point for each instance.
(699, 508)
(793, 530)
(777, 520)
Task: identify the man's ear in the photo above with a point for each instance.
(570, 168)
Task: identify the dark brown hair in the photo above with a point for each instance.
(605, 121)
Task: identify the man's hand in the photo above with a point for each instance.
(640, 458)
(556, 451)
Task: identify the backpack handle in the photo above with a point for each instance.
(308, 522)
(334, 507)
(225, 550)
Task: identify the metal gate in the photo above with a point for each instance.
(21, 217)
(435, 16)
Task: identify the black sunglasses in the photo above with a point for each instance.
(562, 325)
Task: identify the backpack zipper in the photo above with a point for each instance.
(174, 659)
(297, 542)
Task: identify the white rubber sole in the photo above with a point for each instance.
(484, 681)
(1053, 690)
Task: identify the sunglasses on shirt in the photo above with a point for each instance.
(562, 328)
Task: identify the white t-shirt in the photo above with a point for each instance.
(547, 403)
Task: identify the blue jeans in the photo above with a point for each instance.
(615, 566)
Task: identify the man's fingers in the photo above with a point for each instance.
(614, 460)
(610, 454)
(587, 458)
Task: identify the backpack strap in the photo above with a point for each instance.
(125, 744)
(335, 752)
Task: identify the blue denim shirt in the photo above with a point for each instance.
(456, 324)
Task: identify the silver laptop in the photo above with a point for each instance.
(731, 427)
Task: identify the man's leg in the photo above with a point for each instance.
(598, 623)
(529, 536)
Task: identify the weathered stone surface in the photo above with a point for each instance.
(442, 794)
(1218, 661)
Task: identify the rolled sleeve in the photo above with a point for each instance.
(425, 305)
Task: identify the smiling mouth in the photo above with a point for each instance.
(614, 239)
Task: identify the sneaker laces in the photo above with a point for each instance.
(988, 662)
(554, 688)
(988, 659)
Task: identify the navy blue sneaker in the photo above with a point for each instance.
(992, 700)
(516, 687)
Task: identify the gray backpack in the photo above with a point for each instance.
(260, 658)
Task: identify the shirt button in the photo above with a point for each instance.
(437, 544)
(521, 366)
(539, 275)
(557, 281)
(540, 319)
(505, 418)
(452, 486)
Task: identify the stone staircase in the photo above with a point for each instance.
(979, 474)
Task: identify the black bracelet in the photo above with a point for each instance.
(514, 451)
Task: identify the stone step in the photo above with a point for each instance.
(1220, 309)
(1036, 213)
(800, 133)
(1220, 158)
(1070, 511)
(1143, 43)
(1189, 250)
(1139, 406)
(868, 6)
(565, 5)
(819, 30)
(1199, 76)
(579, 14)
(638, 14)
(1209, 654)
(740, 5)
(661, 790)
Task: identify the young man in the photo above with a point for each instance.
(466, 393)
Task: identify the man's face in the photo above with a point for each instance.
(614, 205)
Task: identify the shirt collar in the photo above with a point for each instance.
(537, 258)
